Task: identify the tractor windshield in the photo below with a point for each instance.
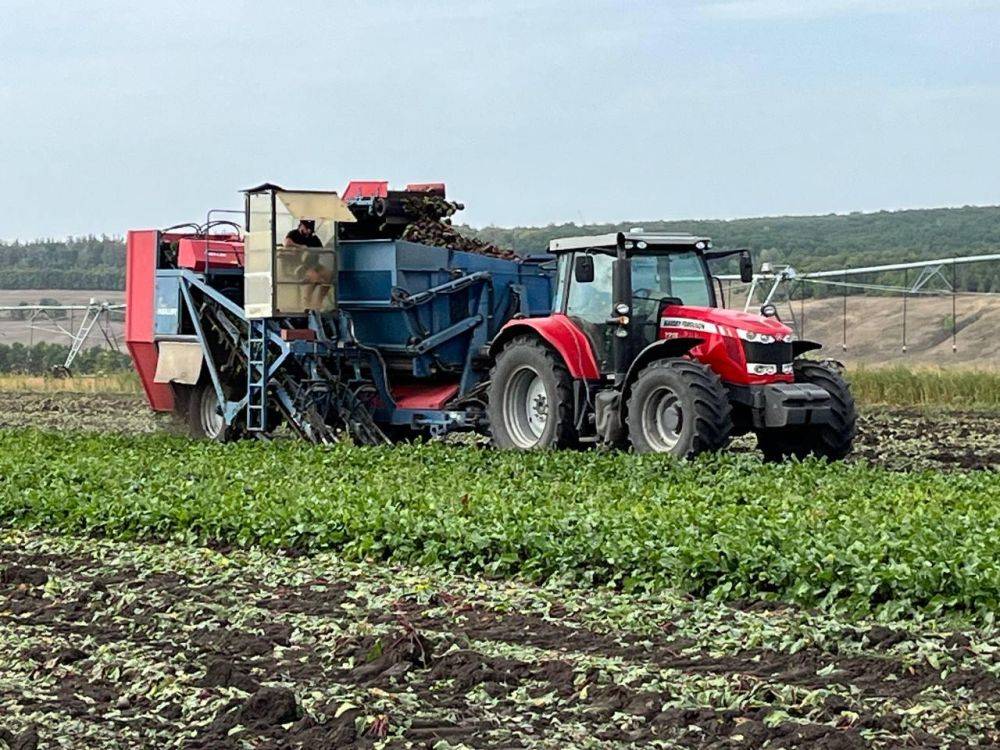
(678, 275)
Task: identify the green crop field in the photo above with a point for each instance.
(847, 538)
(156, 591)
(160, 592)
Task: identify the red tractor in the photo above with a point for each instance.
(637, 350)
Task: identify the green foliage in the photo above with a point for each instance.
(75, 263)
(934, 387)
(819, 242)
(39, 359)
(843, 537)
(807, 242)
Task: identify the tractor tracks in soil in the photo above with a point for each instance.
(175, 646)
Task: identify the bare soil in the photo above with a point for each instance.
(874, 331)
(15, 331)
(110, 645)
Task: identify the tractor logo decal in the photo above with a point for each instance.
(690, 324)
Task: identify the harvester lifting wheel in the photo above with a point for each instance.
(832, 440)
(678, 407)
(205, 421)
(530, 398)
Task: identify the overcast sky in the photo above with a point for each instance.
(119, 115)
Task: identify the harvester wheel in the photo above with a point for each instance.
(205, 420)
(832, 441)
(678, 407)
(530, 398)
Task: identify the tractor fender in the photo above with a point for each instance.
(662, 349)
(802, 346)
(558, 332)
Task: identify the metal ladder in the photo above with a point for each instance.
(257, 376)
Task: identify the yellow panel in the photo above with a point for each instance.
(317, 206)
(178, 362)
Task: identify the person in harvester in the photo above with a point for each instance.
(316, 278)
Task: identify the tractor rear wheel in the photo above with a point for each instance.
(205, 421)
(833, 440)
(678, 407)
(530, 398)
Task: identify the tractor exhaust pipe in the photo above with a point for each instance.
(621, 312)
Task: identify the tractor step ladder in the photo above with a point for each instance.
(257, 376)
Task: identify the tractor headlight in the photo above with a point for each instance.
(622, 309)
(757, 338)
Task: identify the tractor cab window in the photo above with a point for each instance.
(678, 275)
(656, 278)
(589, 304)
(689, 280)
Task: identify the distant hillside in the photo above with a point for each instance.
(807, 242)
(819, 242)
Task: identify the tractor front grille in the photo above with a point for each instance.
(778, 353)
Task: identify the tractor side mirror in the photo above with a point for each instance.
(746, 267)
(583, 269)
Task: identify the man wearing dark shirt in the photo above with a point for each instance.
(304, 235)
(316, 278)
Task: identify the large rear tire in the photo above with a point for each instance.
(530, 398)
(832, 441)
(678, 407)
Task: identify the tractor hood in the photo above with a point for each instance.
(717, 319)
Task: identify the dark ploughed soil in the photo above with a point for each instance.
(108, 645)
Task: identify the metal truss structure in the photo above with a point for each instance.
(97, 319)
(778, 284)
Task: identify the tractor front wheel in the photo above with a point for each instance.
(530, 398)
(832, 440)
(678, 407)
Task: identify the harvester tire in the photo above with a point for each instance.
(832, 441)
(678, 407)
(530, 398)
(204, 420)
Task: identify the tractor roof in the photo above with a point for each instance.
(610, 241)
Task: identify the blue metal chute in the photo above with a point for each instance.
(410, 316)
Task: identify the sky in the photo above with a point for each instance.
(121, 114)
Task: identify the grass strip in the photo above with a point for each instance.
(950, 388)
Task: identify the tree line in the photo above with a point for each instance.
(805, 242)
(73, 263)
(813, 243)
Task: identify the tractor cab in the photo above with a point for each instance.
(621, 286)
